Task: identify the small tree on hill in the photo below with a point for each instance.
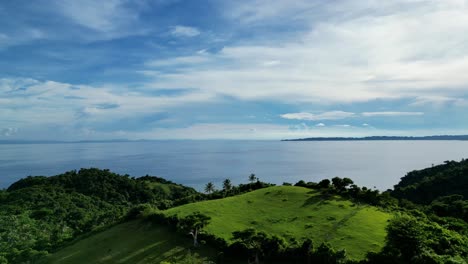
(194, 223)
(209, 188)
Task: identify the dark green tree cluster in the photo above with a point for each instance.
(442, 189)
(424, 186)
(345, 187)
(413, 239)
(228, 189)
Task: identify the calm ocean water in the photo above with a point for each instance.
(194, 163)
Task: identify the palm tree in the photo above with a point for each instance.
(209, 188)
(252, 178)
(227, 186)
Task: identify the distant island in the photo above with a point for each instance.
(374, 138)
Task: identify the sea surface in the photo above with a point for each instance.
(378, 164)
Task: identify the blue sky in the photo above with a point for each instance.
(243, 69)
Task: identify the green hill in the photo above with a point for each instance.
(296, 213)
(424, 186)
(133, 242)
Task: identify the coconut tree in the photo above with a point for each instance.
(227, 186)
(209, 188)
(252, 179)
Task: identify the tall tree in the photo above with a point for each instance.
(227, 186)
(194, 223)
(252, 179)
(209, 188)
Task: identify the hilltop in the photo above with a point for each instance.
(296, 214)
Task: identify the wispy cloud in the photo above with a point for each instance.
(373, 114)
(43, 103)
(7, 132)
(185, 31)
(332, 115)
(337, 115)
(103, 16)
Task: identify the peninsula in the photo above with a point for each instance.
(375, 138)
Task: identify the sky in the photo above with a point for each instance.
(240, 69)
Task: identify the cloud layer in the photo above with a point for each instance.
(232, 69)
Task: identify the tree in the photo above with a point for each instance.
(209, 188)
(227, 186)
(341, 184)
(251, 240)
(194, 223)
(252, 179)
(324, 183)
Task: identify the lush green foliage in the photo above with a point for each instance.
(256, 221)
(413, 239)
(425, 186)
(38, 214)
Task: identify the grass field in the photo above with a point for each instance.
(287, 211)
(132, 242)
(296, 213)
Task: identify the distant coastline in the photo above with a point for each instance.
(381, 138)
(65, 142)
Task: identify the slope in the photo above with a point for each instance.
(133, 242)
(296, 213)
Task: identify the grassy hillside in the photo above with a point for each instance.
(132, 242)
(296, 213)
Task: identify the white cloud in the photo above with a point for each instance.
(104, 16)
(320, 125)
(46, 103)
(184, 31)
(373, 114)
(332, 115)
(7, 132)
(337, 115)
(402, 49)
(179, 61)
(438, 101)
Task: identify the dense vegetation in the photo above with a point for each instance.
(443, 189)
(39, 214)
(423, 220)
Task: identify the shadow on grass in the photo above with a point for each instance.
(322, 198)
(130, 242)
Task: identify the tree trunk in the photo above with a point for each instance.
(195, 237)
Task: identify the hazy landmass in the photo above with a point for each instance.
(375, 138)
